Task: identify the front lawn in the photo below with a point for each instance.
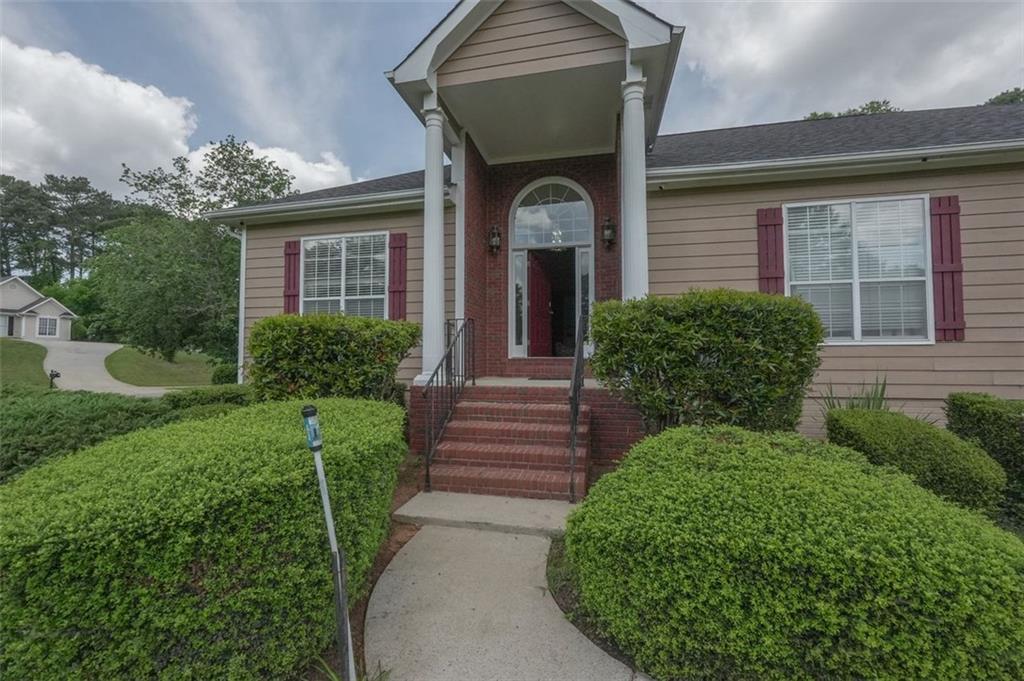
(21, 362)
(137, 368)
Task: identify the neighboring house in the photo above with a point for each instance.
(27, 313)
(905, 231)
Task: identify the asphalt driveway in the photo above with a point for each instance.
(81, 367)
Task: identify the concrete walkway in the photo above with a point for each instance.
(466, 603)
(81, 367)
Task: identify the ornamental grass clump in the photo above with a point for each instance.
(708, 357)
(937, 459)
(193, 551)
(718, 553)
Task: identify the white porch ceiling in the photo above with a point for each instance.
(570, 112)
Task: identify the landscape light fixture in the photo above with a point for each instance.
(316, 444)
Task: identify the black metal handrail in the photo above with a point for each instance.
(575, 390)
(446, 383)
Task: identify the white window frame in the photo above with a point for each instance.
(855, 282)
(56, 327)
(523, 351)
(344, 252)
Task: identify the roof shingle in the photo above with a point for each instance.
(773, 141)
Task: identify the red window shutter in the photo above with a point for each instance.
(291, 277)
(397, 256)
(771, 268)
(947, 269)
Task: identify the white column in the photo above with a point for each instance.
(634, 192)
(433, 244)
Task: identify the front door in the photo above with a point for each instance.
(539, 286)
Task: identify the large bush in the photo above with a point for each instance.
(240, 395)
(40, 424)
(708, 357)
(938, 460)
(327, 355)
(193, 551)
(723, 554)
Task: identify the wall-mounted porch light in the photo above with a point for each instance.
(494, 240)
(608, 232)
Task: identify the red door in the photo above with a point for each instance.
(539, 287)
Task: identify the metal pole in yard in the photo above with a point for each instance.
(316, 445)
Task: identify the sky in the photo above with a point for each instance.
(87, 86)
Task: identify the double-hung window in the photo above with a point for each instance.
(864, 266)
(46, 326)
(345, 274)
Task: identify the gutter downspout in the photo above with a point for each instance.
(241, 303)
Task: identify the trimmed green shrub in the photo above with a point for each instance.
(327, 355)
(997, 425)
(221, 394)
(938, 460)
(708, 357)
(224, 374)
(198, 411)
(39, 424)
(716, 553)
(193, 551)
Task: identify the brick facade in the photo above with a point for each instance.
(489, 193)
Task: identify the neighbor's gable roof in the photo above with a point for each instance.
(40, 299)
(741, 150)
(32, 306)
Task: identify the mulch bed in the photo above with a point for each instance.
(400, 533)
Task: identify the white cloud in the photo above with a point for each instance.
(329, 171)
(61, 115)
(753, 62)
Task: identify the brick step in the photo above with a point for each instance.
(506, 482)
(517, 394)
(516, 411)
(534, 457)
(475, 430)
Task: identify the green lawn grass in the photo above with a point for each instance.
(136, 368)
(22, 362)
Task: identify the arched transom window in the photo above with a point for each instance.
(552, 214)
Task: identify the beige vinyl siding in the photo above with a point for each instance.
(264, 265)
(522, 38)
(708, 238)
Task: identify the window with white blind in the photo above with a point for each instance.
(345, 274)
(863, 265)
(46, 326)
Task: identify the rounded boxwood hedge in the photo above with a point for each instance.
(937, 459)
(192, 551)
(997, 424)
(328, 355)
(707, 357)
(721, 553)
